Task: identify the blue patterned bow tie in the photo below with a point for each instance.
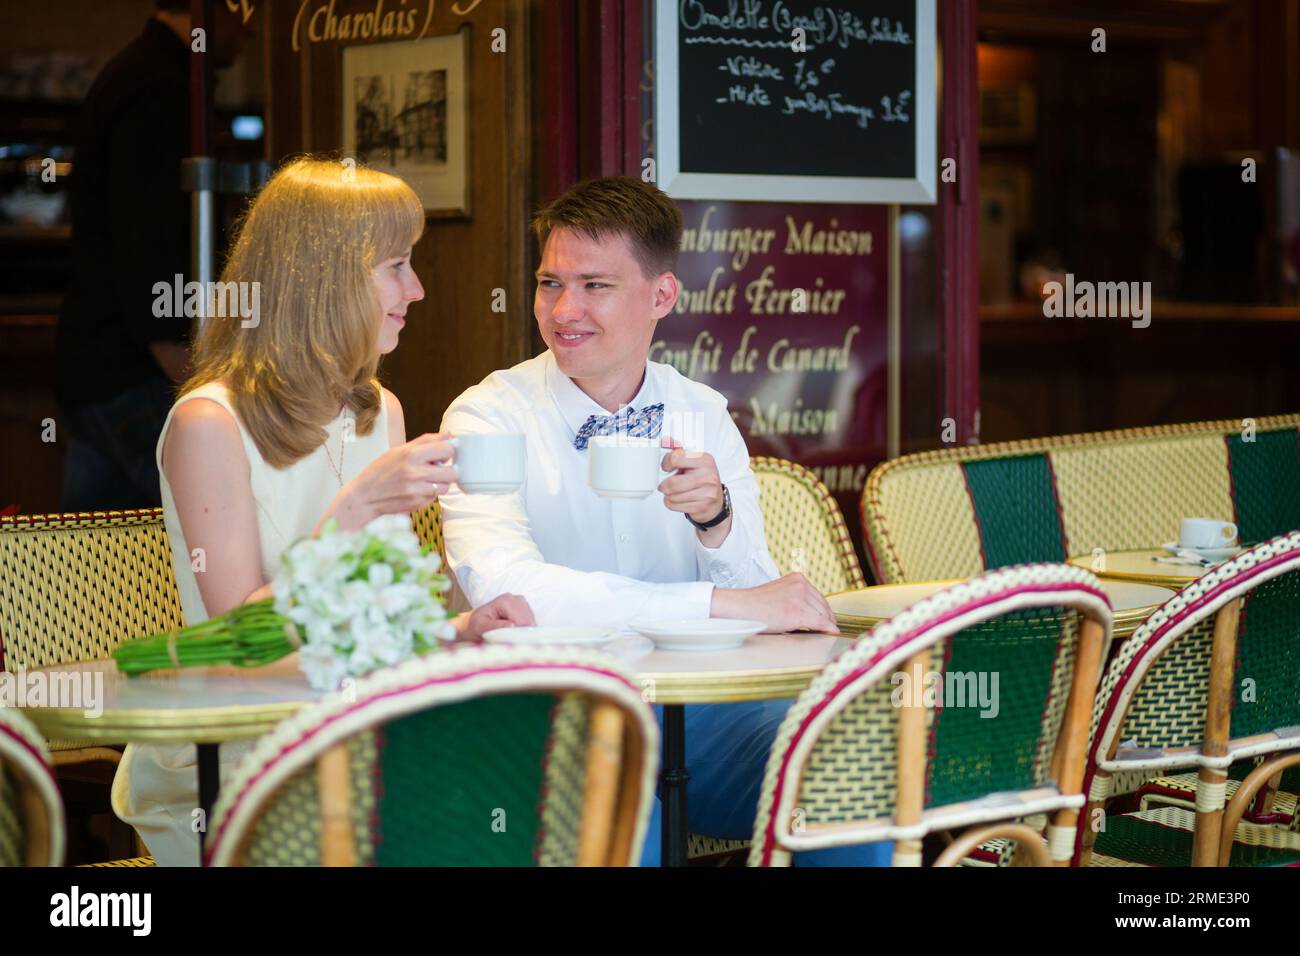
(646, 423)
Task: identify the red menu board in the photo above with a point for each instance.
(783, 309)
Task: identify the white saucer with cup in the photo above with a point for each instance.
(620, 466)
(489, 464)
(1207, 537)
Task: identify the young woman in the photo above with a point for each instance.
(284, 425)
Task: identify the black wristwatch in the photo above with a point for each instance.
(721, 516)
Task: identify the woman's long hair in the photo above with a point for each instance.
(310, 241)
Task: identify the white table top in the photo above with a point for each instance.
(215, 704)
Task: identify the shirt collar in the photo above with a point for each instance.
(576, 406)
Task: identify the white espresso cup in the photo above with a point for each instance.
(619, 466)
(1207, 533)
(490, 464)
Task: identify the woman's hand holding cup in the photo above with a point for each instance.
(403, 479)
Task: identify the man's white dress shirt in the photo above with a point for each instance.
(578, 558)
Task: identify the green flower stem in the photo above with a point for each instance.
(250, 635)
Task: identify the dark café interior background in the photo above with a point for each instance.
(930, 328)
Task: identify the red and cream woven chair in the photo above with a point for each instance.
(496, 756)
(804, 527)
(859, 759)
(1210, 680)
(31, 812)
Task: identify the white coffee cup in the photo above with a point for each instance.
(619, 466)
(1207, 533)
(489, 464)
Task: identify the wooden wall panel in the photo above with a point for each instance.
(452, 338)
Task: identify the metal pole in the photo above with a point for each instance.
(198, 172)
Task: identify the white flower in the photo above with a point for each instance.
(324, 668)
(379, 642)
(355, 613)
(380, 575)
(392, 528)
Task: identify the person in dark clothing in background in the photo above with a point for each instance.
(117, 361)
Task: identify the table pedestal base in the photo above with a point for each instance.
(209, 785)
(672, 793)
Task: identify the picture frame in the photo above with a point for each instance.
(404, 111)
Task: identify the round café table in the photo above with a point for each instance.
(208, 706)
(863, 608)
(765, 667)
(1140, 566)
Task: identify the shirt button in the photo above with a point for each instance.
(623, 538)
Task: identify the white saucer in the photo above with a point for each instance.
(558, 636)
(1213, 554)
(707, 634)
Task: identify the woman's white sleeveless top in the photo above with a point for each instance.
(290, 501)
(156, 788)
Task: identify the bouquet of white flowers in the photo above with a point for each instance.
(350, 601)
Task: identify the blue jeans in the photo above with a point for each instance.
(727, 746)
(111, 443)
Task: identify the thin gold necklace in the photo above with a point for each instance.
(343, 447)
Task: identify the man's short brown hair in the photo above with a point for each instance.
(619, 205)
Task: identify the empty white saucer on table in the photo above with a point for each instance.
(708, 634)
(1140, 566)
(866, 607)
(1210, 554)
(552, 636)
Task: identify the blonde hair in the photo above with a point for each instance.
(310, 240)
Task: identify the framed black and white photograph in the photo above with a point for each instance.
(790, 102)
(404, 112)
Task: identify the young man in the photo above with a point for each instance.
(696, 548)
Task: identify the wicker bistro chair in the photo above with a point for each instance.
(31, 812)
(476, 756)
(74, 586)
(804, 527)
(805, 532)
(1211, 679)
(427, 524)
(851, 766)
(956, 512)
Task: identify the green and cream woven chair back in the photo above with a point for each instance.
(967, 709)
(1210, 680)
(74, 586)
(804, 527)
(31, 812)
(478, 756)
(953, 513)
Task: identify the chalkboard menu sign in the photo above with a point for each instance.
(785, 100)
